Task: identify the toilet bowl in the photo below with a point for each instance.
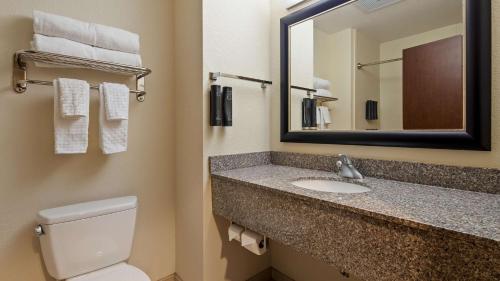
(90, 241)
(117, 272)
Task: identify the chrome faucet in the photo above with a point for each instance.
(347, 169)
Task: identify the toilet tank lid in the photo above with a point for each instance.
(86, 210)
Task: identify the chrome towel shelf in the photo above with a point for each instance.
(20, 69)
(263, 83)
(319, 98)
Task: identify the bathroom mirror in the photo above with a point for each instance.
(413, 73)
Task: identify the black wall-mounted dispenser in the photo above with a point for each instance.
(309, 113)
(216, 110)
(371, 110)
(227, 106)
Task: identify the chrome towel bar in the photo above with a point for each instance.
(263, 83)
(20, 69)
(361, 65)
(140, 94)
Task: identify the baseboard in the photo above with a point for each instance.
(279, 276)
(270, 274)
(171, 277)
(265, 275)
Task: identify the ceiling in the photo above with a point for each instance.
(402, 19)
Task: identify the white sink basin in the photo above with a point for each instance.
(330, 186)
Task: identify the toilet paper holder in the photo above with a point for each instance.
(264, 241)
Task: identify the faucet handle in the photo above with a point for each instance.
(344, 159)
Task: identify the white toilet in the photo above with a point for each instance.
(90, 241)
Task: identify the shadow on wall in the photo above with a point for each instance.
(237, 257)
(37, 249)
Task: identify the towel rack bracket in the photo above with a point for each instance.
(140, 85)
(19, 74)
(214, 76)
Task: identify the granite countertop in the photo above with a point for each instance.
(464, 214)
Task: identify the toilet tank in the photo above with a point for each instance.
(84, 237)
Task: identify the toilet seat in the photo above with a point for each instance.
(117, 272)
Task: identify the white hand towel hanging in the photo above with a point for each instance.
(325, 114)
(116, 101)
(73, 97)
(113, 134)
(70, 133)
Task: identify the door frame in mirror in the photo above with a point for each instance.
(477, 133)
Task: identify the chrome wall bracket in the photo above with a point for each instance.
(19, 74)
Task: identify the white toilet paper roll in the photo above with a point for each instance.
(234, 232)
(253, 242)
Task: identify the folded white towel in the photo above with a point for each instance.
(62, 46)
(117, 57)
(321, 83)
(71, 48)
(73, 97)
(71, 135)
(116, 101)
(112, 133)
(87, 33)
(112, 38)
(323, 93)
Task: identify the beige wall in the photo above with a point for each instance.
(301, 68)
(333, 57)
(366, 80)
(391, 74)
(189, 139)
(235, 40)
(33, 178)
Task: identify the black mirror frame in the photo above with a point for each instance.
(476, 136)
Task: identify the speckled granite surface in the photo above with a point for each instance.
(397, 231)
(473, 215)
(235, 161)
(464, 178)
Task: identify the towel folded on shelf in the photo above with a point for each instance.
(323, 93)
(71, 48)
(70, 134)
(116, 101)
(87, 33)
(319, 83)
(61, 46)
(73, 97)
(113, 134)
